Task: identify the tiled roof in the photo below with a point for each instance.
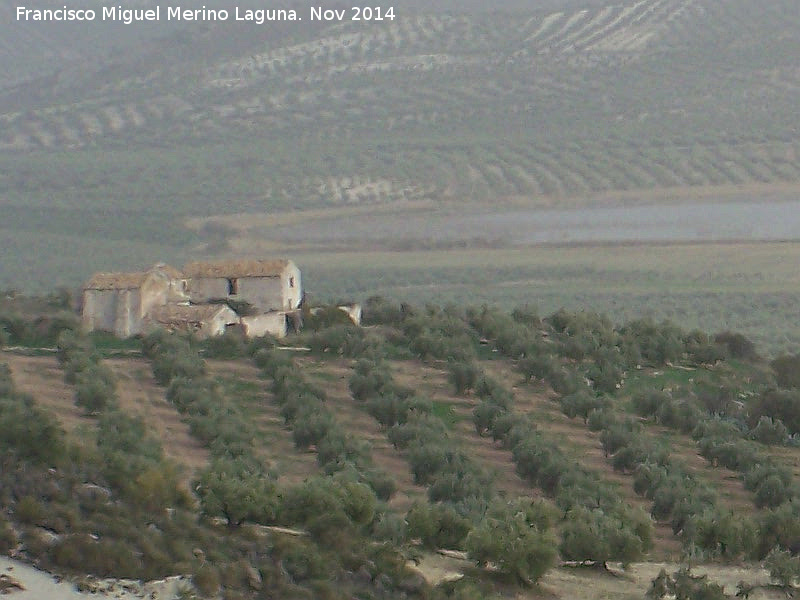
(187, 313)
(115, 281)
(127, 281)
(237, 268)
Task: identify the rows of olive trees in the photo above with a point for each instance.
(575, 359)
(596, 523)
(463, 510)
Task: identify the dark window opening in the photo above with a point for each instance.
(233, 287)
(291, 282)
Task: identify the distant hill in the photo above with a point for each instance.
(525, 102)
(128, 130)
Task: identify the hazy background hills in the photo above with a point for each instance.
(113, 137)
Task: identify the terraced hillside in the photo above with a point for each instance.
(247, 389)
(537, 102)
(423, 430)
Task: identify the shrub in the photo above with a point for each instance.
(379, 311)
(581, 403)
(238, 492)
(783, 567)
(326, 317)
(738, 345)
(28, 433)
(541, 367)
(769, 431)
(494, 392)
(778, 404)
(619, 435)
(338, 449)
(502, 424)
(601, 537)
(682, 584)
(648, 403)
(270, 360)
(310, 427)
(461, 485)
(206, 580)
(95, 390)
(326, 495)
(484, 415)
(230, 345)
(787, 370)
(626, 459)
(388, 409)
(177, 363)
(679, 414)
(464, 376)
(514, 545)
(381, 483)
(437, 526)
(565, 381)
(369, 380)
(600, 418)
(427, 460)
(30, 511)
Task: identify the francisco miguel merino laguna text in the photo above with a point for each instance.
(176, 13)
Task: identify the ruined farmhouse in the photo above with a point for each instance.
(200, 299)
(121, 302)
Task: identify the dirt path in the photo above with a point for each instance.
(275, 445)
(43, 379)
(333, 377)
(140, 395)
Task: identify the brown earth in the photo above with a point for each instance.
(139, 394)
(42, 378)
(274, 444)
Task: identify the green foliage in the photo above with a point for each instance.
(779, 526)
(581, 404)
(783, 567)
(769, 431)
(778, 404)
(539, 367)
(684, 586)
(494, 392)
(310, 427)
(325, 317)
(656, 343)
(437, 526)
(270, 360)
(380, 311)
(206, 580)
(369, 380)
(484, 416)
(326, 495)
(127, 448)
(464, 376)
(787, 370)
(228, 346)
(345, 340)
(177, 363)
(515, 544)
(238, 492)
(737, 345)
(28, 433)
(601, 537)
(647, 403)
(722, 534)
(95, 389)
